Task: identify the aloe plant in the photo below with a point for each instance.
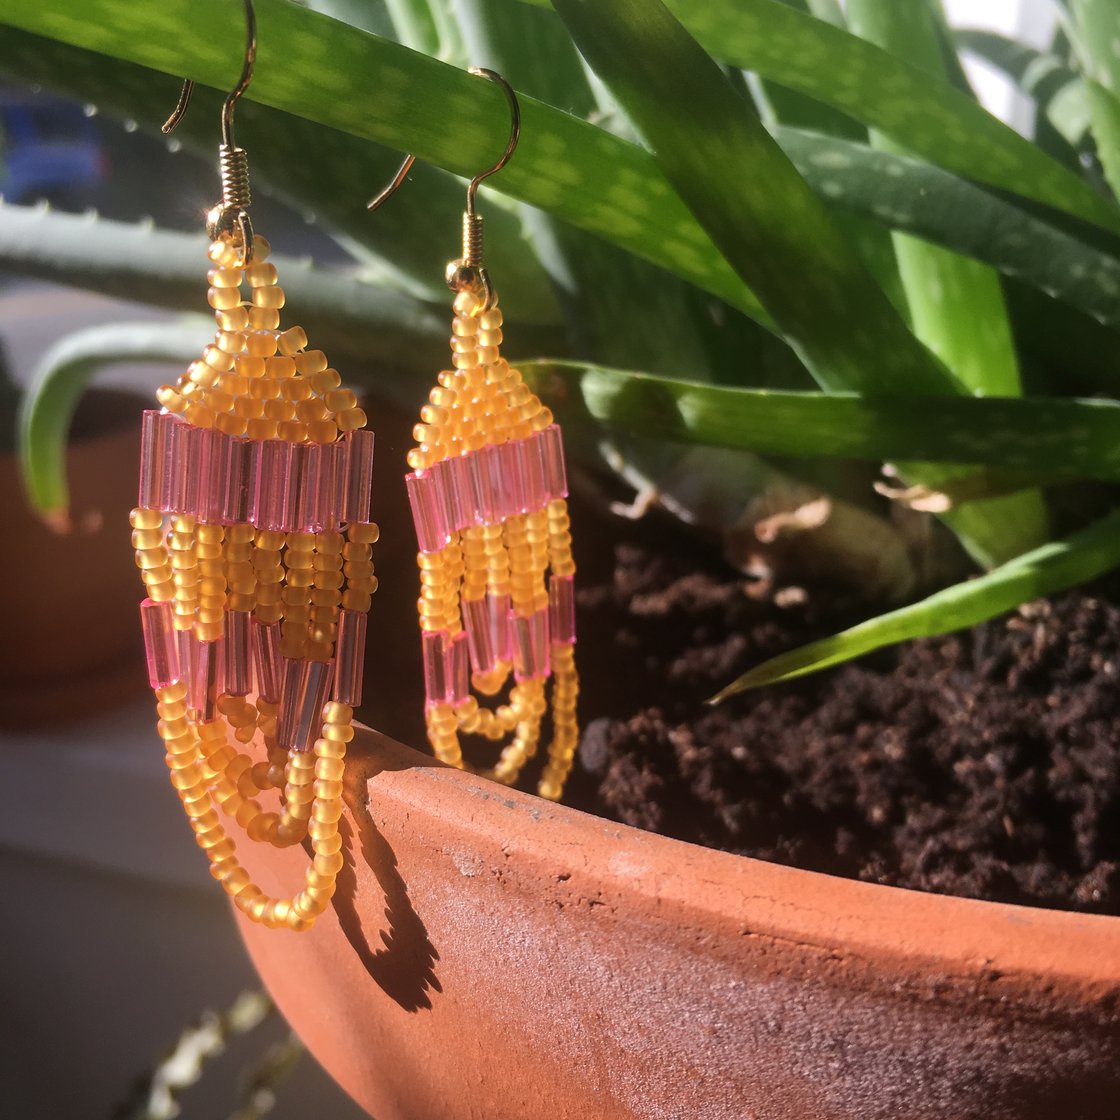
(777, 227)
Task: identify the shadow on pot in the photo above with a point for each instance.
(404, 967)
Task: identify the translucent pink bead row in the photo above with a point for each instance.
(493, 633)
(272, 484)
(247, 652)
(485, 487)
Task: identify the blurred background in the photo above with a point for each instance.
(115, 937)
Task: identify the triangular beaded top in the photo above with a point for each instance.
(488, 490)
(253, 536)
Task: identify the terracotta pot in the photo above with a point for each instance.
(72, 641)
(490, 955)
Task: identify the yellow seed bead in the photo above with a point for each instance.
(272, 298)
(293, 339)
(312, 410)
(223, 253)
(322, 431)
(222, 299)
(260, 274)
(260, 344)
(265, 388)
(340, 399)
(339, 714)
(264, 318)
(330, 769)
(224, 277)
(250, 366)
(357, 600)
(280, 367)
(231, 342)
(351, 419)
(232, 319)
(294, 431)
(231, 423)
(199, 415)
(261, 248)
(311, 361)
(297, 389)
(261, 428)
(170, 399)
(325, 380)
(363, 533)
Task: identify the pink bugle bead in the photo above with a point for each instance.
(552, 456)
(302, 713)
(351, 649)
(295, 486)
(512, 458)
(161, 643)
(480, 638)
(216, 468)
(310, 511)
(236, 665)
(152, 454)
(499, 606)
(197, 446)
(202, 685)
(530, 646)
(457, 507)
(274, 466)
(432, 644)
(484, 498)
(266, 660)
(359, 481)
(427, 511)
(457, 669)
(562, 610)
(289, 700)
(340, 477)
(175, 463)
(458, 475)
(235, 483)
(536, 492)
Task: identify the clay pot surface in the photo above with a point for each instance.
(72, 641)
(491, 955)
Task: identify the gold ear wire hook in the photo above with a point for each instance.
(468, 273)
(231, 215)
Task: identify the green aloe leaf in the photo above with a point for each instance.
(913, 196)
(1059, 436)
(334, 184)
(916, 197)
(59, 381)
(331, 74)
(1044, 571)
(750, 199)
(342, 311)
(1104, 119)
(927, 115)
(1058, 91)
(933, 119)
(956, 305)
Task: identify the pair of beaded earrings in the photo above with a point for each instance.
(254, 540)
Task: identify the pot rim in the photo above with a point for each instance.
(998, 951)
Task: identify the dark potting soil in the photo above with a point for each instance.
(984, 764)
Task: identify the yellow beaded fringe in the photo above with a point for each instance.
(484, 401)
(259, 381)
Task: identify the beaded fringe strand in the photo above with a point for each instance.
(253, 538)
(488, 497)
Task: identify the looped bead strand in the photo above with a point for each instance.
(255, 547)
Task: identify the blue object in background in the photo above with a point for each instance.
(49, 150)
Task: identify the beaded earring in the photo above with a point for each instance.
(487, 491)
(253, 537)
